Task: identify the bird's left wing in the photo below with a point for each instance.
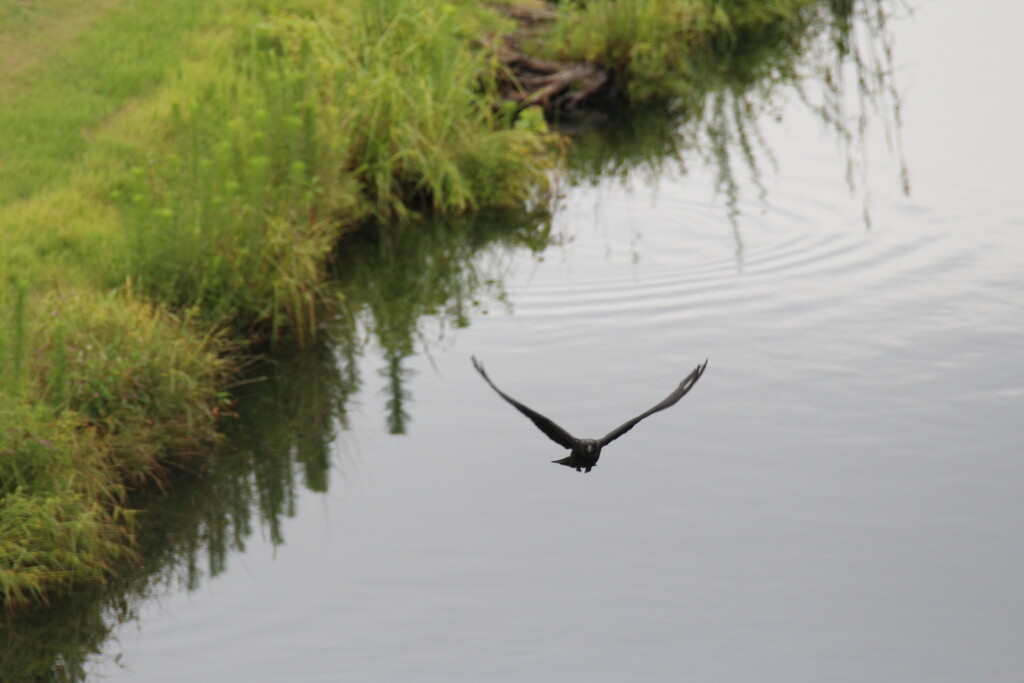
(670, 400)
(553, 431)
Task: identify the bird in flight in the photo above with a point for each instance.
(584, 453)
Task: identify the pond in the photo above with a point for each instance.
(837, 499)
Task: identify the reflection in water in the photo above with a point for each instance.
(859, 43)
(392, 284)
(288, 413)
(188, 531)
(584, 453)
(840, 65)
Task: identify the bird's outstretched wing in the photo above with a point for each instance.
(670, 400)
(554, 432)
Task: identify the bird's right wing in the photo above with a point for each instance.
(553, 431)
(669, 400)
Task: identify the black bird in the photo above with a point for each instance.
(585, 452)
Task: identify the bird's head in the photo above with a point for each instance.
(589, 446)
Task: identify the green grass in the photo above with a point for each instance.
(113, 387)
(650, 44)
(50, 110)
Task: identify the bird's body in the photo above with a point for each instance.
(584, 453)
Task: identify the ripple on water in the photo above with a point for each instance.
(835, 300)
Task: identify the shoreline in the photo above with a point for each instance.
(178, 201)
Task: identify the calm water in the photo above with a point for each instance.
(838, 499)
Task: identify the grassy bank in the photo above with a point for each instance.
(174, 178)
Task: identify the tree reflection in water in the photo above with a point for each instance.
(396, 281)
(393, 281)
(289, 409)
(188, 530)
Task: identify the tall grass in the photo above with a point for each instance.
(309, 124)
(146, 379)
(60, 522)
(112, 385)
